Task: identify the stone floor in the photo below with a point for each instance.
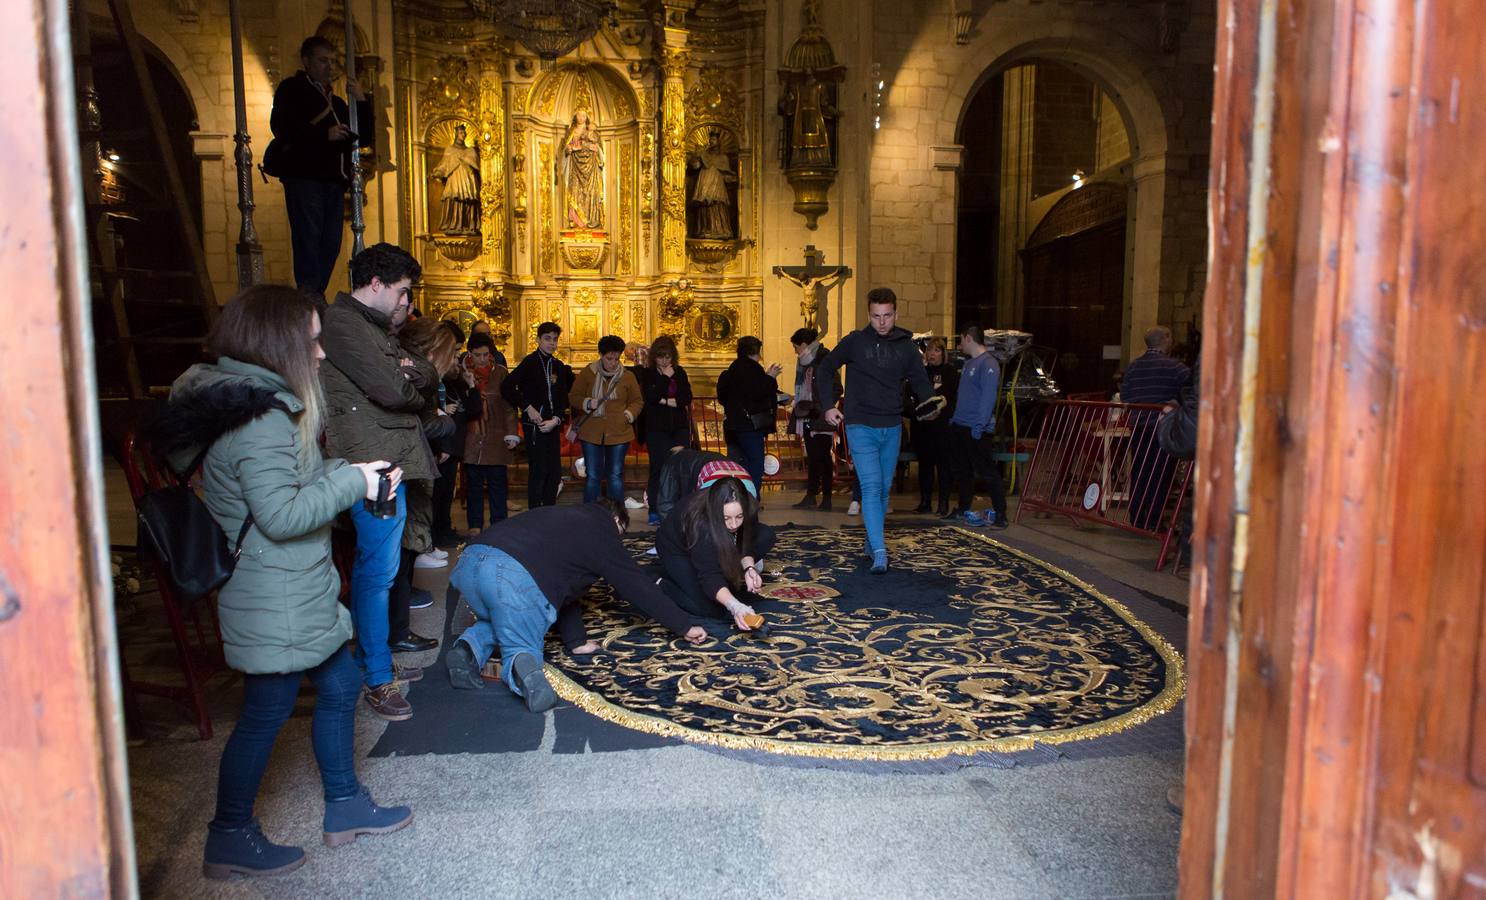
(683, 821)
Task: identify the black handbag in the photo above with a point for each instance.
(176, 526)
(762, 421)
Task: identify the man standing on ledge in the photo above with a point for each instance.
(538, 388)
(311, 155)
(882, 358)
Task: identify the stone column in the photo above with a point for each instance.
(1016, 192)
(673, 159)
(1143, 248)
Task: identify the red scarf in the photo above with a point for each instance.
(482, 376)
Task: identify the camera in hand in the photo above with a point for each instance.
(385, 506)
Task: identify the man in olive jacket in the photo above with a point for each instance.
(371, 413)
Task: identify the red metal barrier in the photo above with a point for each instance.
(1101, 462)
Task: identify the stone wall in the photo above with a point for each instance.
(1164, 94)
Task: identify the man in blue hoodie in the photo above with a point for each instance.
(971, 430)
(882, 357)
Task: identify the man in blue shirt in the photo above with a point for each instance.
(971, 430)
(1153, 378)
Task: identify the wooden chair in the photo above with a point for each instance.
(199, 656)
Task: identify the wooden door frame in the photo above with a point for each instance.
(64, 812)
(1325, 214)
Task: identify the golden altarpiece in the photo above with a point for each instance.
(614, 190)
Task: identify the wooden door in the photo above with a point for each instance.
(1075, 303)
(1336, 731)
(1073, 268)
(64, 828)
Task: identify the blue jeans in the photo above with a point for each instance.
(482, 483)
(378, 554)
(510, 610)
(604, 464)
(317, 212)
(748, 451)
(874, 453)
(268, 701)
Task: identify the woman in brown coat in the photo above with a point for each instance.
(492, 438)
(607, 399)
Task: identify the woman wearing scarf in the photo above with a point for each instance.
(491, 438)
(607, 399)
(805, 418)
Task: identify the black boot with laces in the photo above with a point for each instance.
(245, 851)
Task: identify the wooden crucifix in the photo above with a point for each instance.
(813, 278)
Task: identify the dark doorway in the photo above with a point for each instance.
(1032, 134)
(134, 225)
(1074, 271)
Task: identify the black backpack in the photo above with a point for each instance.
(176, 526)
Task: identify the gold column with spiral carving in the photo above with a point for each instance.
(492, 143)
(673, 160)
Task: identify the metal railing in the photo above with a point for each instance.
(1101, 462)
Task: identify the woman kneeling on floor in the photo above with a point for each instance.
(711, 548)
(252, 421)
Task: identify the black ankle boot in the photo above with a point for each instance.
(805, 502)
(923, 505)
(245, 851)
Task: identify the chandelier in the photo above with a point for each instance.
(548, 28)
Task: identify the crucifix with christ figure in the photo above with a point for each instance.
(813, 278)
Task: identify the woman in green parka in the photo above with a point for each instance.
(257, 409)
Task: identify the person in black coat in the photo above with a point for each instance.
(931, 435)
(311, 154)
(807, 417)
(749, 395)
(667, 415)
(538, 389)
(522, 575)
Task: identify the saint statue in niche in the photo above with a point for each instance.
(806, 106)
(583, 173)
(714, 216)
(459, 170)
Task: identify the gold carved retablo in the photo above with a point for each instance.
(583, 250)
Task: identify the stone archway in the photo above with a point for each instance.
(1112, 64)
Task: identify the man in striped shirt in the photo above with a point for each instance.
(1152, 378)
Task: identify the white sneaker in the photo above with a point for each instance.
(632, 503)
(429, 561)
(855, 509)
(436, 553)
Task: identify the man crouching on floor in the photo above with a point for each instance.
(522, 574)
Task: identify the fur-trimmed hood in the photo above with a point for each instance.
(209, 400)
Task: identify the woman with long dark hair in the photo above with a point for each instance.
(711, 548)
(667, 414)
(253, 417)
